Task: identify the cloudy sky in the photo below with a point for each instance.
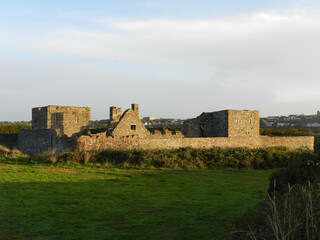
(176, 58)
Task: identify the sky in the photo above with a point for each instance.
(175, 58)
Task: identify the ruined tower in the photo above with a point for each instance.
(225, 123)
(68, 120)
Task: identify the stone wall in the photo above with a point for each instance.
(226, 123)
(290, 142)
(68, 120)
(8, 140)
(115, 114)
(43, 140)
(130, 125)
(243, 123)
(39, 118)
(207, 125)
(216, 124)
(166, 134)
(100, 141)
(53, 127)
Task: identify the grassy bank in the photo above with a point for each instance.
(42, 201)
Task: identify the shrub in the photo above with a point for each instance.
(12, 129)
(183, 158)
(294, 215)
(290, 212)
(304, 168)
(286, 132)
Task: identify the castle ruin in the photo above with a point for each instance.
(61, 129)
(226, 123)
(68, 120)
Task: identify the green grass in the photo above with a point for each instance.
(79, 202)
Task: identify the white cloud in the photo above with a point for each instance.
(255, 60)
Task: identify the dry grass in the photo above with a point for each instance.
(4, 151)
(58, 170)
(292, 216)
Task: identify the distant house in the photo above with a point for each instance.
(273, 118)
(157, 123)
(283, 124)
(315, 124)
(149, 118)
(309, 117)
(292, 117)
(269, 124)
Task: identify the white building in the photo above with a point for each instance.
(315, 124)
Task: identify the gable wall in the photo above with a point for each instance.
(128, 119)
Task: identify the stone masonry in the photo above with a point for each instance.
(226, 123)
(68, 120)
(100, 141)
(129, 124)
(44, 140)
(60, 129)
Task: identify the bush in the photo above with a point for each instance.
(12, 129)
(294, 215)
(304, 168)
(286, 132)
(292, 210)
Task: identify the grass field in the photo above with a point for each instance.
(78, 202)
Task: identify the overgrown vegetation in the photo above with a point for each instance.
(292, 211)
(264, 158)
(12, 129)
(303, 171)
(24, 123)
(293, 215)
(286, 132)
